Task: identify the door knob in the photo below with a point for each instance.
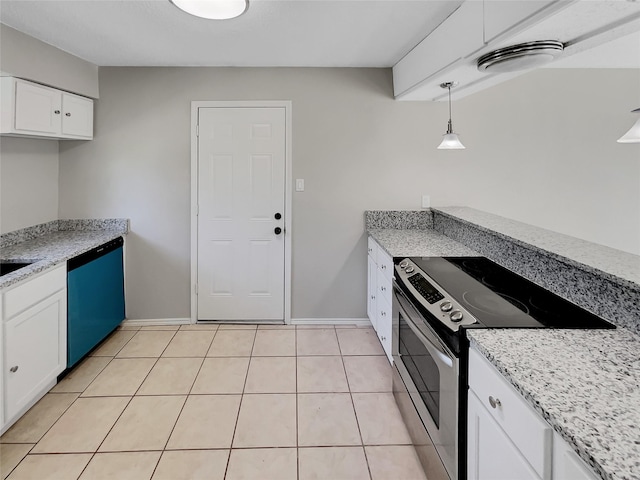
(14, 369)
(277, 230)
(278, 216)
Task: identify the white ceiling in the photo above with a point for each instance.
(296, 33)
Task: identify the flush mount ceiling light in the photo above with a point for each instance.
(520, 57)
(450, 140)
(633, 135)
(213, 9)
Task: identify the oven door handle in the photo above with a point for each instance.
(439, 351)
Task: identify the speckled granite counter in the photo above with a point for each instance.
(619, 266)
(585, 383)
(56, 242)
(419, 243)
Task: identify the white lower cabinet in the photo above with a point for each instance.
(379, 293)
(492, 454)
(567, 465)
(507, 439)
(34, 340)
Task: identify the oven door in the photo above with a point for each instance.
(429, 371)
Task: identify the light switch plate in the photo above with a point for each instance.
(299, 184)
(426, 201)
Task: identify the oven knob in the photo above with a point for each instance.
(446, 306)
(455, 316)
(409, 269)
(404, 264)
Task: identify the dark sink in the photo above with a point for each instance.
(8, 266)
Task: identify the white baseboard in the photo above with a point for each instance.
(360, 322)
(132, 322)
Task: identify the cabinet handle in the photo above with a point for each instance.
(57, 112)
(384, 289)
(383, 314)
(373, 297)
(68, 114)
(494, 402)
(14, 369)
(384, 267)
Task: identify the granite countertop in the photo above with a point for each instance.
(419, 243)
(585, 383)
(53, 246)
(619, 266)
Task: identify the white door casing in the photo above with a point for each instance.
(240, 265)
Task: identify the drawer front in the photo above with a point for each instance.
(372, 249)
(33, 290)
(526, 429)
(384, 287)
(385, 263)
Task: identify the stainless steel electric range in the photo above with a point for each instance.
(435, 300)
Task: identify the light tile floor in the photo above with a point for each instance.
(219, 402)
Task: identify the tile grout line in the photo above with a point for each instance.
(129, 402)
(186, 398)
(235, 427)
(355, 414)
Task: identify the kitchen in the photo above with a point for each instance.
(540, 149)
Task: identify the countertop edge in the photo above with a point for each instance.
(25, 273)
(556, 256)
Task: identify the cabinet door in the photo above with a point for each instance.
(372, 286)
(384, 324)
(491, 455)
(38, 109)
(34, 356)
(77, 117)
(567, 465)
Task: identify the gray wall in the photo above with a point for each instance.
(357, 149)
(26, 57)
(28, 182)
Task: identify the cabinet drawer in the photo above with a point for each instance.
(385, 263)
(372, 249)
(34, 290)
(384, 286)
(526, 429)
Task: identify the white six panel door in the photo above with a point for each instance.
(241, 188)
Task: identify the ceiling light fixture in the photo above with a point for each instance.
(520, 57)
(213, 9)
(633, 135)
(450, 140)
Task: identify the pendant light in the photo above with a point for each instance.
(633, 135)
(450, 140)
(213, 9)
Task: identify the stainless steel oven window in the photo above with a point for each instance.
(422, 369)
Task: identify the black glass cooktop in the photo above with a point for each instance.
(497, 297)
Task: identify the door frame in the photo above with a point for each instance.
(288, 183)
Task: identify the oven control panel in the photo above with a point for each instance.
(432, 297)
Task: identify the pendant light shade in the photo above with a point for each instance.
(450, 140)
(633, 135)
(213, 9)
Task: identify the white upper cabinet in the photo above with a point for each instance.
(30, 109)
